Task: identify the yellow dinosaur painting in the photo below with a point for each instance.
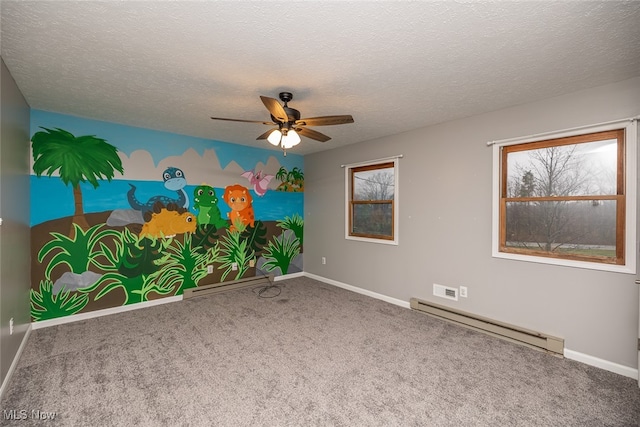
(168, 221)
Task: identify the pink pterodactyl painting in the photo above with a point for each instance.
(259, 181)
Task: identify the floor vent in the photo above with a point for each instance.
(227, 286)
(516, 334)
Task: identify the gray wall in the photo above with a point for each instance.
(14, 210)
(445, 227)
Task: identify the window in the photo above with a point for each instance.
(372, 197)
(568, 200)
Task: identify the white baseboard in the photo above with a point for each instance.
(104, 312)
(16, 359)
(569, 354)
(601, 363)
(288, 276)
(366, 292)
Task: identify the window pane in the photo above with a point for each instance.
(376, 184)
(372, 219)
(564, 170)
(584, 228)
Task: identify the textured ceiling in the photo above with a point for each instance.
(395, 66)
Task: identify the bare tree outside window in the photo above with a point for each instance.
(374, 185)
(565, 198)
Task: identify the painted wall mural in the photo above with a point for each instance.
(123, 215)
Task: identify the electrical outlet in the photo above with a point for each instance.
(234, 266)
(324, 260)
(463, 291)
(252, 262)
(11, 326)
(209, 269)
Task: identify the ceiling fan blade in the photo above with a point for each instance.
(325, 120)
(244, 121)
(310, 133)
(266, 134)
(275, 109)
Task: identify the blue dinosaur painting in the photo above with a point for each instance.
(174, 180)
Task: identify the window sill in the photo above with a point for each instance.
(566, 262)
(371, 240)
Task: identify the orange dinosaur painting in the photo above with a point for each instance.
(239, 200)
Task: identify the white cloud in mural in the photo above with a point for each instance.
(197, 168)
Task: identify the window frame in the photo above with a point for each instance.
(350, 202)
(625, 197)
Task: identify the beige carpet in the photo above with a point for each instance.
(315, 355)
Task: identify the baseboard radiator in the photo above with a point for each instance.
(516, 334)
(227, 286)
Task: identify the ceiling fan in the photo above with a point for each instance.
(290, 125)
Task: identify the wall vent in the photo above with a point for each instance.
(445, 292)
(227, 286)
(516, 334)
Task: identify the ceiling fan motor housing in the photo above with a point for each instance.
(285, 96)
(292, 113)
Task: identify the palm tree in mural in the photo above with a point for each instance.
(77, 159)
(291, 180)
(295, 176)
(281, 174)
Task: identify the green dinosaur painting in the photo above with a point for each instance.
(205, 202)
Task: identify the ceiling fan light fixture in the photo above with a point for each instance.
(274, 137)
(291, 139)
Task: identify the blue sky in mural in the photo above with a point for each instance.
(160, 144)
